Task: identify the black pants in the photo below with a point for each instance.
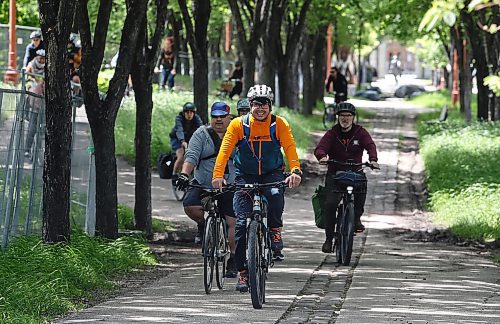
(332, 201)
(238, 87)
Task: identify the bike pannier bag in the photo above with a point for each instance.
(318, 201)
(166, 165)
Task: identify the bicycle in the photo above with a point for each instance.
(178, 194)
(351, 183)
(215, 245)
(259, 254)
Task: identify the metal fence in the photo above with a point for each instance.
(22, 132)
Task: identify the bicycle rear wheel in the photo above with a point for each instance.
(256, 275)
(348, 234)
(222, 252)
(209, 248)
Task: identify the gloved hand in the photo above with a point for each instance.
(182, 182)
(375, 165)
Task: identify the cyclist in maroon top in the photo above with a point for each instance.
(345, 142)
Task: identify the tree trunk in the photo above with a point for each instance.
(319, 65)
(307, 73)
(142, 72)
(464, 73)
(197, 37)
(215, 55)
(257, 27)
(271, 48)
(102, 113)
(481, 64)
(57, 165)
(105, 167)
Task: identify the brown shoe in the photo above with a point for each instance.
(327, 246)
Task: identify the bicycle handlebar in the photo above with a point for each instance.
(364, 164)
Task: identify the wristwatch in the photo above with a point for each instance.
(297, 172)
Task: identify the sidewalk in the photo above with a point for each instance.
(392, 277)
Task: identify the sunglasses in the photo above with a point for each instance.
(221, 117)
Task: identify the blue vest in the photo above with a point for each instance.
(260, 154)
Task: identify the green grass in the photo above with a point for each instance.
(126, 221)
(40, 281)
(440, 98)
(463, 175)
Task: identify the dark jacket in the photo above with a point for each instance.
(184, 128)
(339, 86)
(331, 144)
(30, 53)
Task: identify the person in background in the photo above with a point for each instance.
(186, 123)
(36, 70)
(243, 106)
(200, 160)
(236, 77)
(337, 83)
(35, 45)
(167, 71)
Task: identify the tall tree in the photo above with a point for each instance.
(56, 18)
(142, 71)
(255, 13)
(101, 112)
(288, 54)
(197, 38)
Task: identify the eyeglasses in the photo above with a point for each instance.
(35, 39)
(346, 115)
(221, 117)
(259, 105)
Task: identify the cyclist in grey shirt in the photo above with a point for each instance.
(199, 160)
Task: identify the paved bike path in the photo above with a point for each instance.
(391, 277)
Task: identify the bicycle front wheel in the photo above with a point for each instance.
(222, 252)
(348, 234)
(209, 251)
(178, 194)
(338, 234)
(256, 275)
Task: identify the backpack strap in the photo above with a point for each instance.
(216, 140)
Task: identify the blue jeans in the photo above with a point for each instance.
(243, 203)
(167, 77)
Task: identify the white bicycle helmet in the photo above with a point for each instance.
(261, 91)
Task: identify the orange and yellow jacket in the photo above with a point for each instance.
(259, 146)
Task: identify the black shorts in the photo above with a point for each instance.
(225, 201)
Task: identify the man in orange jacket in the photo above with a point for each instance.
(259, 137)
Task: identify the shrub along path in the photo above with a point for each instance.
(393, 277)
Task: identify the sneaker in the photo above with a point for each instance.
(276, 240)
(199, 236)
(327, 246)
(278, 256)
(231, 271)
(359, 227)
(242, 284)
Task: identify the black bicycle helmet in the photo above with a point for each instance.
(243, 104)
(346, 107)
(189, 106)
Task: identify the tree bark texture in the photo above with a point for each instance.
(477, 39)
(142, 71)
(56, 18)
(101, 113)
(248, 45)
(464, 72)
(319, 65)
(289, 59)
(197, 38)
(271, 43)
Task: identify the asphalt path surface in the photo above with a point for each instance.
(392, 276)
